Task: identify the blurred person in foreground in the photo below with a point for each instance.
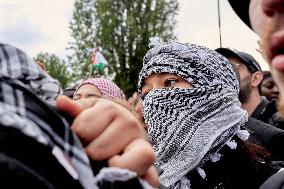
(39, 150)
(194, 120)
(266, 17)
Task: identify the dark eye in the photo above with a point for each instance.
(93, 95)
(171, 82)
(269, 85)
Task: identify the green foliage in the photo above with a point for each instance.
(56, 68)
(122, 28)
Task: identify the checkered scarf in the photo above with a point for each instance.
(106, 87)
(188, 127)
(22, 78)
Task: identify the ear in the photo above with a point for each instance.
(256, 78)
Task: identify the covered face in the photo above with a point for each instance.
(98, 87)
(190, 106)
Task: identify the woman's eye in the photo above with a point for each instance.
(93, 95)
(170, 82)
(76, 98)
(268, 85)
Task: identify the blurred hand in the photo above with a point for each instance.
(111, 132)
(133, 98)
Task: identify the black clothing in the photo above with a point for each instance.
(267, 136)
(260, 109)
(274, 182)
(25, 163)
(264, 134)
(266, 111)
(236, 169)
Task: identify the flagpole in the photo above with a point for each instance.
(219, 23)
(92, 62)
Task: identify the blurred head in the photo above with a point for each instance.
(267, 20)
(17, 65)
(269, 88)
(250, 72)
(96, 87)
(190, 94)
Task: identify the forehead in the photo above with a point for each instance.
(267, 80)
(236, 61)
(88, 87)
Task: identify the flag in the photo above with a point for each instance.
(98, 60)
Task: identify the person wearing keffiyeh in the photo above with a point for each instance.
(194, 119)
(98, 87)
(38, 148)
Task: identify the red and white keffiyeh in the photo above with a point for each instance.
(106, 87)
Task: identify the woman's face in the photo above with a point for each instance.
(163, 80)
(86, 91)
(269, 89)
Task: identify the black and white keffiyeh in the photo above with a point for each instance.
(188, 127)
(15, 64)
(20, 75)
(21, 79)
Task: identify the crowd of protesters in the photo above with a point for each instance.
(200, 118)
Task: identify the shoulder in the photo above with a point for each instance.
(274, 182)
(267, 136)
(235, 169)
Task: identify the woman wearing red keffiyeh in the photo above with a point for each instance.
(98, 87)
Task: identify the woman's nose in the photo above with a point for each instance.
(275, 89)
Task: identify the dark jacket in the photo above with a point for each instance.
(274, 182)
(236, 169)
(267, 136)
(266, 111)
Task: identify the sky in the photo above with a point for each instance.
(42, 26)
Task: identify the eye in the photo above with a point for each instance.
(269, 85)
(93, 95)
(76, 97)
(171, 82)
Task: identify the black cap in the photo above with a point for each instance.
(246, 58)
(241, 7)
